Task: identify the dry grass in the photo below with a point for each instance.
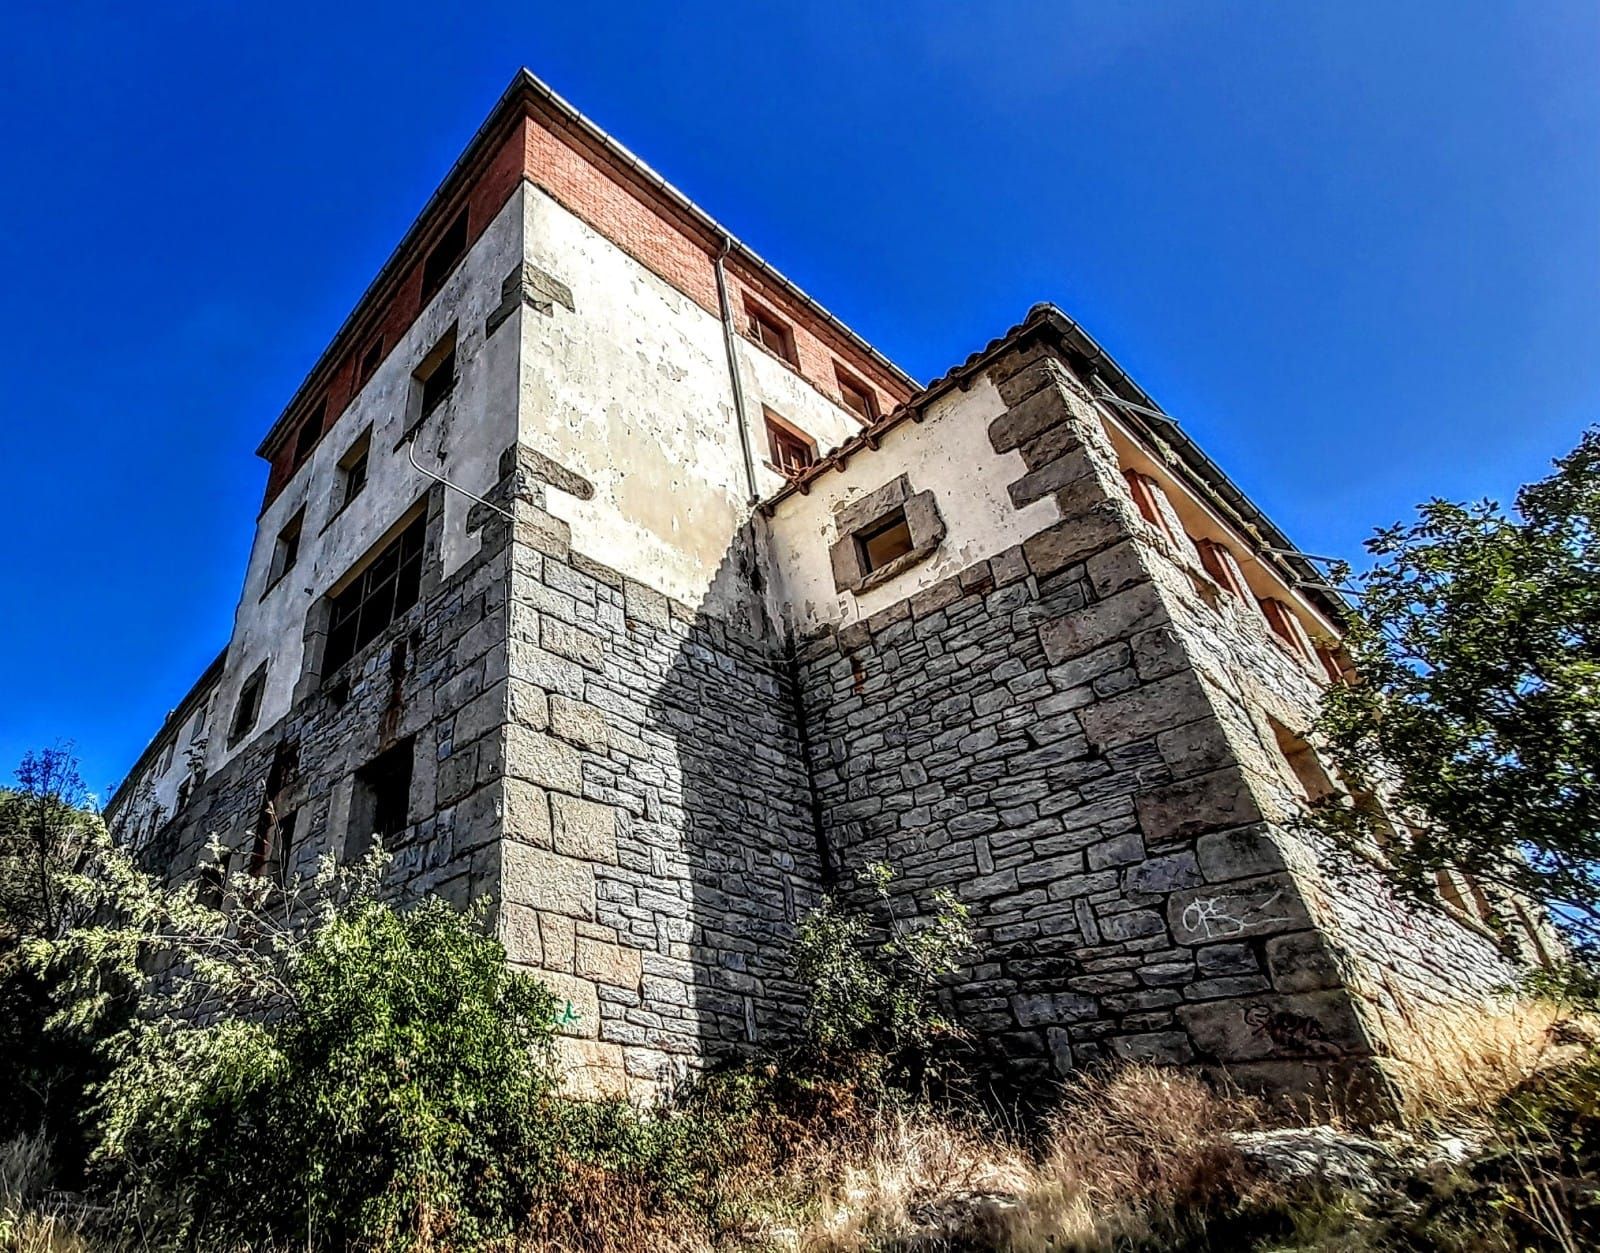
(1453, 1066)
(1129, 1155)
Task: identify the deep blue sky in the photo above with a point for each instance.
(1354, 247)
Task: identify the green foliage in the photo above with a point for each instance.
(45, 827)
(309, 1061)
(1477, 640)
(872, 978)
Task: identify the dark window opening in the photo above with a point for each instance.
(857, 397)
(452, 246)
(772, 334)
(1310, 777)
(437, 376)
(884, 541)
(213, 882)
(353, 468)
(286, 551)
(388, 586)
(792, 451)
(380, 800)
(310, 432)
(370, 361)
(248, 709)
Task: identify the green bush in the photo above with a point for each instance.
(872, 978)
(407, 1067)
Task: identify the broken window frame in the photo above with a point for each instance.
(772, 333)
(849, 384)
(381, 588)
(790, 451)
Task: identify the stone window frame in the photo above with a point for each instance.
(247, 706)
(285, 550)
(869, 512)
(443, 356)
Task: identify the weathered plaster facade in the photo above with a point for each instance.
(653, 695)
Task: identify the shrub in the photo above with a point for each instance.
(312, 1060)
(872, 978)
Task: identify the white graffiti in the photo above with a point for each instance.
(1213, 917)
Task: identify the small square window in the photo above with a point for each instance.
(452, 246)
(792, 450)
(285, 550)
(248, 709)
(370, 361)
(771, 333)
(380, 800)
(884, 541)
(353, 468)
(305, 439)
(857, 396)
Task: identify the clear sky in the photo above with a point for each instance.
(1354, 247)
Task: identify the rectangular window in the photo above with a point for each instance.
(884, 541)
(198, 726)
(370, 361)
(380, 800)
(166, 757)
(436, 376)
(792, 450)
(385, 588)
(285, 552)
(248, 709)
(353, 468)
(1154, 507)
(857, 396)
(1223, 567)
(1285, 624)
(452, 246)
(771, 333)
(305, 439)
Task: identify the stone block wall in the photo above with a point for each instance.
(1035, 733)
(659, 846)
(1401, 962)
(422, 679)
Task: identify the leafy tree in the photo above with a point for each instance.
(46, 823)
(1477, 708)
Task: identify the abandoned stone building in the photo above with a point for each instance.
(601, 571)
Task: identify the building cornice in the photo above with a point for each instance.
(529, 97)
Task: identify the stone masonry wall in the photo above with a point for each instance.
(1401, 961)
(659, 843)
(419, 678)
(1032, 732)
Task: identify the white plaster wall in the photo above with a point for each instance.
(471, 430)
(156, 790)
(947, 453)
(632, 392)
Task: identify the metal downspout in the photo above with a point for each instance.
(730, 342)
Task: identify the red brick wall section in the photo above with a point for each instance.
(398, 308)
(647, 231)
(654, 238)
